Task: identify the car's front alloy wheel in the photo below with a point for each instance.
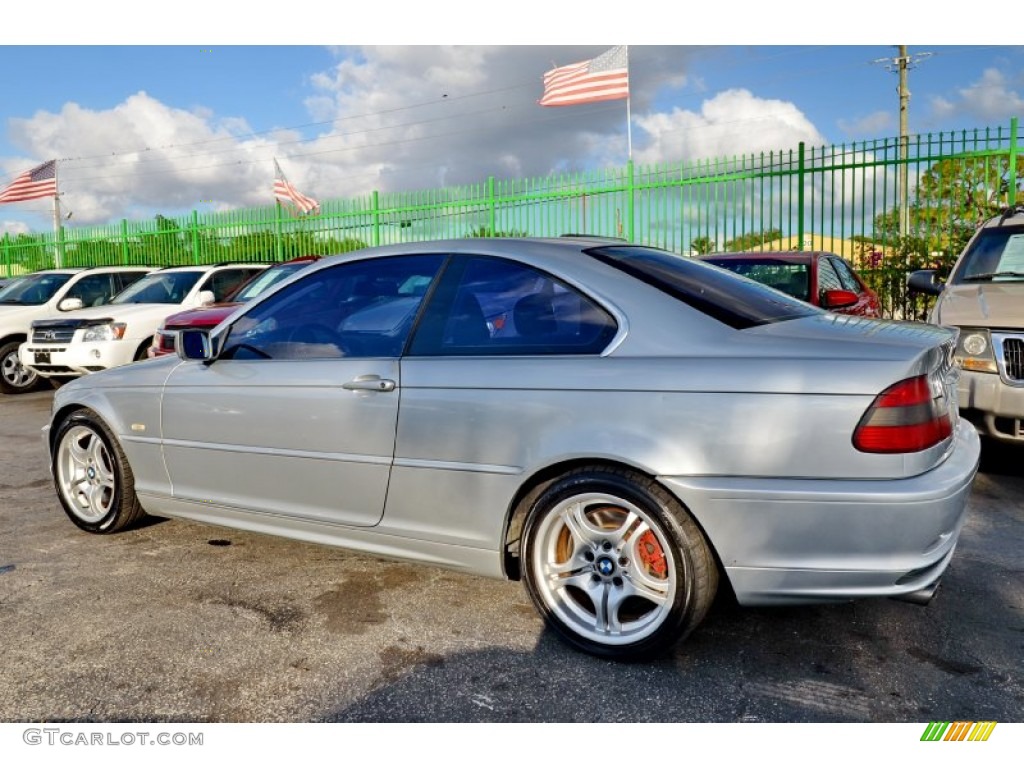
(14, 377)
(615, 564)
(94, 482)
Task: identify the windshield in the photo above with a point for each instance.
(995, 255)
(786, 276)
(268, 278)
(730, 299)
(34, 289)
(159, 288)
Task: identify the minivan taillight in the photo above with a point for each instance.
(909, 416)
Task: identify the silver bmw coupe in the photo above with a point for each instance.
(621, 428)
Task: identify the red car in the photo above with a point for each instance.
(818, 277)
(211, 316)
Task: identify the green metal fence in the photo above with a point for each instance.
(844, 198)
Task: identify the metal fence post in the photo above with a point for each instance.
(376, 217)
(278, 249)
(195, 237)
(631, 192)
(800, 195)
(124, 242)
(492, 207)
(1011, 198)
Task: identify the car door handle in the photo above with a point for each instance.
(369, 384)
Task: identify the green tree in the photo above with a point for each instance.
(753, 240)
(485, 231)
(952, 198)
(702, 244)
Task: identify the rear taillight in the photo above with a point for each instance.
(909, 416)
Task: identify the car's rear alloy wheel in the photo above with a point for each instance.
(14, 377)
(94, 482)
(615, 564)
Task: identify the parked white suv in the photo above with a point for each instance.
(97, 338)
(984, 298)
(45, 294)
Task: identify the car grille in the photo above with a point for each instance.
(1013, 358)
(52, 335)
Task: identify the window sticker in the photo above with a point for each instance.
(1012, 259)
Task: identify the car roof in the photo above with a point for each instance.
(510, 246)
(210, 267)
(1011, 216)
(54, 271)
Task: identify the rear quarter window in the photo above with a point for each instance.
(718, 293)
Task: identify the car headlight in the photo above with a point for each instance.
(974, 351)
(105, 332)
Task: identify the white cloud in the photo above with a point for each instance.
(870, 125)
(394, 118)
(143, 155)
(731, 123)
(991, 98)
(14, 227)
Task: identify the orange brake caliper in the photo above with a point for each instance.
(652, 555)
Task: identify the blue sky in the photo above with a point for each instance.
(176, 123)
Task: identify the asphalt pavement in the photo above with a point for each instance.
(178, 622)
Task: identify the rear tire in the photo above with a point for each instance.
(14, 377)
(615, 564)
(94, 482)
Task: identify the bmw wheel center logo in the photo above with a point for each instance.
(605, 566)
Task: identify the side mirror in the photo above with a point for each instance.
(206, 298)
(194, 344)
(66, 305)
(838, 299)
(923, 281)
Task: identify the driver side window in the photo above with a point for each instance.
(356, 309)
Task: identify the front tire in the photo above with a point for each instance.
(14, 377)
(94, 482)
(615, 564)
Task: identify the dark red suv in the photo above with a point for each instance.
(817, 277)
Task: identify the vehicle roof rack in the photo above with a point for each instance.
(1011, 210)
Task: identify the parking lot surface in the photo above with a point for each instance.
(174, 621)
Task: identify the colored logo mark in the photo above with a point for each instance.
(959, 731)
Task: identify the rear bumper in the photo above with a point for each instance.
(787, 541)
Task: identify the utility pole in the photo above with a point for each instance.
(902, 64)
(904, 142)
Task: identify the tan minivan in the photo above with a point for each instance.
(984, 298)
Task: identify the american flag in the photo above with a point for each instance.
(600, 79)
(283, 190)
(41, 181)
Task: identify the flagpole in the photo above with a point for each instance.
(58, 255)
(629, 121)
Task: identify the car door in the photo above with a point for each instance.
(867, 301)
(485, 375)
(296, 416)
